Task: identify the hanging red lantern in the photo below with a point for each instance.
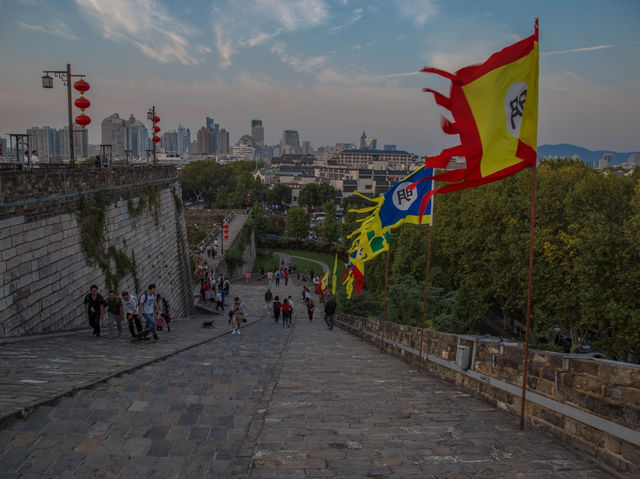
(226, 225)
(226, 230)
(156, 119)
(226, 236)
(81, 86)
(156, 129)
(82, 103)
(156, 139)
(83, 120)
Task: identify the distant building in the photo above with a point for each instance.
(390, 148)
(207, 141)
(257, 132)
(290, 142)
(46, 141)
(634, 159)
(80, 143)
(367, 143)
(209, 123)
(137, 138)
(606, 161)
(306, 148)
(367, 157)
(170, 141)
(114, 133)
(223, 142)
(3, 147)
(183, 140)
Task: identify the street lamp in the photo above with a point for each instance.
(66, 76)
(151, 115)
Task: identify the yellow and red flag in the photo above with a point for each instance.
(495, 111)
(324, 282)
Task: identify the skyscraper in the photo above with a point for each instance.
(137, 137)
(367, 143)
(290, 143)
(184, 139)
(206, 141)
(114, 133)
(306, 148)
(223, 141)
(46, 141)
(170, 141)
(80, 143)
(209, 123)
(257, 132)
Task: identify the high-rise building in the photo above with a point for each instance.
(206, 141)
(114, 133)
(3, 147)
(209, 123)
(170, 141)
(290, 143)
(80, 143)
(306, 148)
(368, 143)
(390, 148)
(45, 141)
(137, 138)
(606, 161)
(257, 132)
(223, 142)
(184, 139)
(634, 159)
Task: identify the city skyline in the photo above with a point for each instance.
(326, 69)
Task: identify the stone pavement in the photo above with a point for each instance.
(277, 403)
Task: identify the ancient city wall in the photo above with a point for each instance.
(131, 221)
(593, 405)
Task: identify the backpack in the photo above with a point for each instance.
(276, 305)
(202, 274)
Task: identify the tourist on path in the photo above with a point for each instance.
(268, 296)
(247, 277)
(165, 310)
(310, 309)
(270, 277)
(238, 315)
(130, 304)
(149, 308)
(277, 278)
(276, 309)
(291, 304)
(34, 159)
(115, 313)
(94, 309)
(286, 313)
(330, 311)
(286, 277)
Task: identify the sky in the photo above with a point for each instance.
(330, 69)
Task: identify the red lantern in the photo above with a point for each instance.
(83, 120)
(156, 119)
(226, 236)
(226, 230)
(82, 103)
(156, 129)
(81, 86)
(226, 225)
(156, 139)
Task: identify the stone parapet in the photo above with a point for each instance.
(593, 405)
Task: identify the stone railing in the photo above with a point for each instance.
(593, 405)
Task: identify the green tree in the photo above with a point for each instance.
(261, 223)
(199, 178)
(314, 195)
(279, 194)
(330, 225)
(297, 223)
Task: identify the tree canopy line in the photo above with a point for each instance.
(586, 264)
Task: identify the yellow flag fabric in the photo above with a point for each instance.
(334, 279)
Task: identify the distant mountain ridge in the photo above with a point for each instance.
(586, 155)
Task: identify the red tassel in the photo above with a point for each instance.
(448, 126)
(442, 73)
(440, 99)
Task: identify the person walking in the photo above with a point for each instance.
(277, 278)
(94, 309)
(270, 277)
(276, 309)
(286, 277)
(115, 313)
(130, 304)
(238, 315)
(247, 277)
(310, 309)
(329, 311)
(164, 310)
(268, 297)
(34, 159)
(286, 313)
(148, 305)
(291, 304)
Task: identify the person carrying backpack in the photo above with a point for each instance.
(149, 309)
(310, 308)
(165, 310)
(286, 313)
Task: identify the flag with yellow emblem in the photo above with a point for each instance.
(324, 282)
(494, 107)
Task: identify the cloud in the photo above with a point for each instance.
(418, 11)
(249, 23)
(574, 50)
(357, 15)
(146, 24)
(53, 27)
(299, 64)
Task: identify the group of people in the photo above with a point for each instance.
(30, 162)
(214, 288)
(150, 305)
(210, 251)
(285, 307)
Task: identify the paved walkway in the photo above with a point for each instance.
(287, 259)
(276, 403)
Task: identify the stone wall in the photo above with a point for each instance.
(593, 405)
(44, 268)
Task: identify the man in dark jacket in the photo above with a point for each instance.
(329, 311)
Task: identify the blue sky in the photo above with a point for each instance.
(329, 69)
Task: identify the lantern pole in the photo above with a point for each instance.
(66, 76)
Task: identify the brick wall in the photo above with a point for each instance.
(592, 405)
(45, 272)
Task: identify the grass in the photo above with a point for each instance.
(267, 261)
(326, 258)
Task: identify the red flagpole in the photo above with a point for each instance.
(426, 292)
(384, 307)
(529, 291)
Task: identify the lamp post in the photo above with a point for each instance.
(21, 140)
(151, 115)
(65, 76)
(104, 154)
(127, 153)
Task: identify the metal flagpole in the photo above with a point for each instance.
(384, 307)
(530, 287)
(426, 291)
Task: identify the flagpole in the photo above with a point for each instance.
(529, 291)
(426, 292)
(384, 307)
